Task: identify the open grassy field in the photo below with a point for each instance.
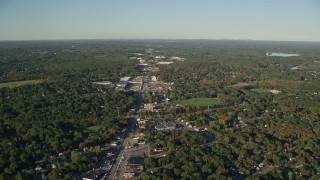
(94, 128)
(198, 101)
(20, 83)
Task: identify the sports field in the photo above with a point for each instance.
(198, 102)
(20, 83)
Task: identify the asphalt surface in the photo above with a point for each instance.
(117, 162)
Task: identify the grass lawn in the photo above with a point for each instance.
(94, 128)
(198, 101)
(20, 83)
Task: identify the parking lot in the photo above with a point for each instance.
(130, 151)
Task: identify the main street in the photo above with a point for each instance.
(118, 167)
(143, 151)
(114, 169)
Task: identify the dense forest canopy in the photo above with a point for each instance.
(54, 108)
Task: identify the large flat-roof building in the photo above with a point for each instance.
(170, 125)
(125, 79)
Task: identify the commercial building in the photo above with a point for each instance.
(170, 125)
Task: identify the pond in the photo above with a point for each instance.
(280, 54)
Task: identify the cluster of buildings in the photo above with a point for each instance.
(133, 157)
(141, 123)
(137, 84)
(124, 84)
(134, 167)
(135, 148)
(147, 62)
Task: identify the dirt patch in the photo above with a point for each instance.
(281, 81)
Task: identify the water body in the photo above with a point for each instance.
(282, 54)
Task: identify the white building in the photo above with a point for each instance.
(125, 78)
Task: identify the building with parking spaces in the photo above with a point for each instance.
(170, 125)
(95, 174)
(135, 164)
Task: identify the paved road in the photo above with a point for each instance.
(127, 153)
(143, 150)
(114, 168)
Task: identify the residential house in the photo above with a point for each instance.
(149, 107)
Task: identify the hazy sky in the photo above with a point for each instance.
(293, 20)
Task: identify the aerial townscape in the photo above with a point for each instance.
(159, 90)
(117, 109)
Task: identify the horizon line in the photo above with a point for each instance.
(171, 39)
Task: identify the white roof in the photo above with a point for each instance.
(125, 78)
(163, 62)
